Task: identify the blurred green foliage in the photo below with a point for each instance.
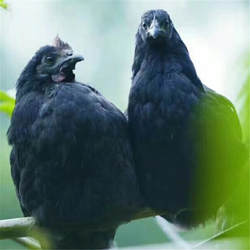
(244, 97)
(3, 4)
(7, 103)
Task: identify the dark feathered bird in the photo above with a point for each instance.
(186, 137)
(71, 159)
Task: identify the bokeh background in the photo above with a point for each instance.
(215, 32)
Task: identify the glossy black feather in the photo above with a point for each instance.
(71, 160)
(186, 138)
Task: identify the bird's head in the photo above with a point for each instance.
(56, 63)
(51, 64)
(155, 27)
(157, 35)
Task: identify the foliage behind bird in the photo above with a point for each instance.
(186, 138)
(71, 160)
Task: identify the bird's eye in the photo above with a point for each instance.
(69, 53)
(144, 25)
(49, 59)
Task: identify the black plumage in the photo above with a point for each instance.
(71, 159)
(186, 138)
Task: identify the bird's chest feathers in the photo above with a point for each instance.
(164, 85)
(164, 97)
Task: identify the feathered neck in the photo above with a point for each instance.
(174, 48)
(28, 80)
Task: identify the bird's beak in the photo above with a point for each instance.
(63, 70)
(70, 62)
(74, 58)
(154, 30)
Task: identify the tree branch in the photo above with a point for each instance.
(28, 243)
(19, 228)
(14, 228)
(22, 227)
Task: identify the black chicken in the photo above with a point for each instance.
(71, 159)
(186, 138)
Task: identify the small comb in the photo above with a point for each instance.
(58, 43)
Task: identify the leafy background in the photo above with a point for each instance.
(3, 4)
(215, 32)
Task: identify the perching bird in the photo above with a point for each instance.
(71, 159)
(186, 138)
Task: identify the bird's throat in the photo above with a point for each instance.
(60, 77)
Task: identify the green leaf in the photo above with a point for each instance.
(3, 4)
(244, 95)
(7, 108)
(7, 103)
(4, 97)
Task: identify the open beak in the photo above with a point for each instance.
(64, 69)
(70, 62)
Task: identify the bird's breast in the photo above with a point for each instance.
(161, 105)
(170, 94)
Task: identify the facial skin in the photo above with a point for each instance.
(156, 25)
(58, 63)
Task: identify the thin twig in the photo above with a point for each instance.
(171, 233)
(216, 236)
